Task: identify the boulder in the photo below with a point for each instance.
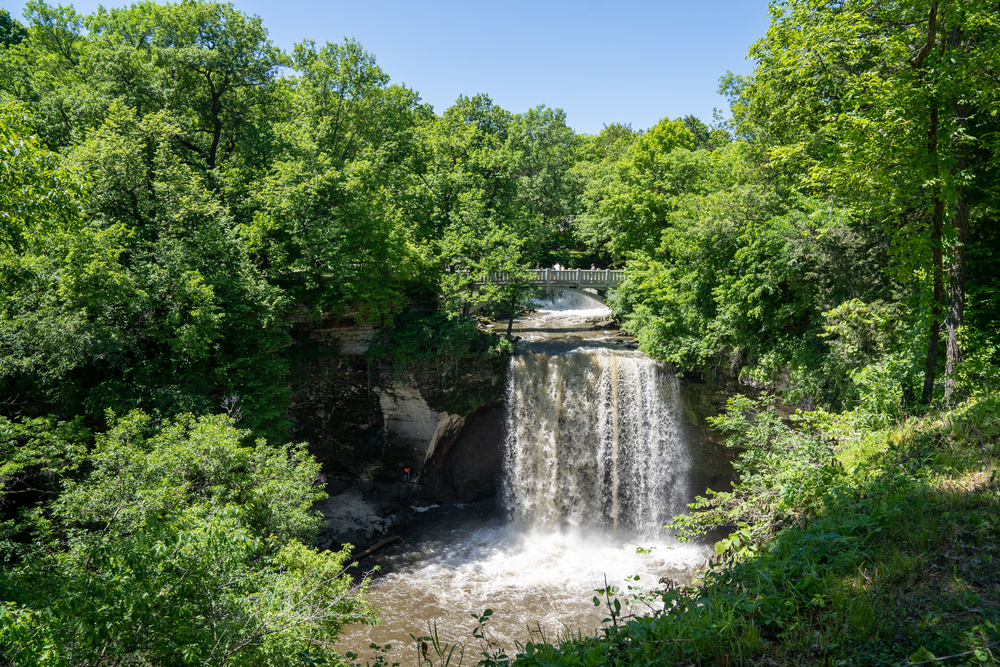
(471, 468)
(448, 429)
(349, 520)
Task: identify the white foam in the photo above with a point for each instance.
(424, 509)
(530, 579)
(570, 304)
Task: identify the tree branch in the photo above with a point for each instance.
(918, 60)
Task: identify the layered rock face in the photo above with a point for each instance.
(367, 421)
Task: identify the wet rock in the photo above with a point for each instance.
(473, 465)
(349, 520)
(448, 428)
(335, 487)
(606, 325)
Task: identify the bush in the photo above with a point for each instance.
(783, 473)
(180, 544)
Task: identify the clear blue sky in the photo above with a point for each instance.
(629, 62)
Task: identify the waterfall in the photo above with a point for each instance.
(594, 440)
(595, 465)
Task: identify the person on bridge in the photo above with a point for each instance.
(593, 268)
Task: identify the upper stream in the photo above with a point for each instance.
(596, 464)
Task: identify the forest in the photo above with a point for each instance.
(173, 187)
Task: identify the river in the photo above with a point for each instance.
(596, 464)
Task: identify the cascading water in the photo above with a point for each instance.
(596, 465)
(593, 439)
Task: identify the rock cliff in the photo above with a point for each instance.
(367, 421)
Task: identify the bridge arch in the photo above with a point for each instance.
(596, 296)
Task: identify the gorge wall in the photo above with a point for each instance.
(366, 421)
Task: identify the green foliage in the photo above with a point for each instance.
(864, 151)
(151, 302)
(171, 185)
(37, 193)
(327, 218)
(37, 456)
(543, 146)
(743, 279)
(636, 188)
(12, 32)
(179, 540)
(783, 474)
(219, 194)
(423, 340)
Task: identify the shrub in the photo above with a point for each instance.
(180, 544)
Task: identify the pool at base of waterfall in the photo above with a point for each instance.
(539, 584)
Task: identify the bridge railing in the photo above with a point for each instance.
(577, 277)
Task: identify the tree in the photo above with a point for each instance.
(596, 156)
(12, 32)
(39, 199)
(179, 542)
(212, 66)
(482, 252)
(880, 104)
(205, 65)
(327, 213)
(463, 198)
(635, 205)
(543, 144)
(746, 276)
(151, 299)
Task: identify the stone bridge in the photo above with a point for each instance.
(593, 284)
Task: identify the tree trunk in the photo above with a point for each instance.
(934, 335)
(956, 306)
(956, 310)
(510, 322)
(467, 308)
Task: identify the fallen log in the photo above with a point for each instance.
(375, 547)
